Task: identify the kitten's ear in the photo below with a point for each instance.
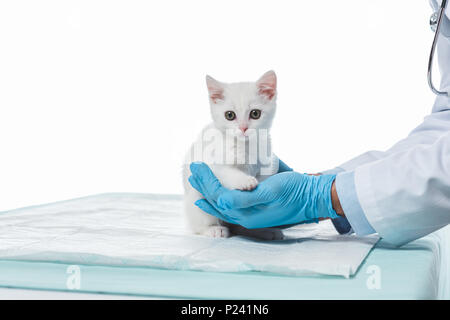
(267, 85)
(215, 89)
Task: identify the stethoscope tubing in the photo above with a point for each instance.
(433, 49)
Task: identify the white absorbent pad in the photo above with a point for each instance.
(148, 231)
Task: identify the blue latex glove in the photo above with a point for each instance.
(283, 167)
(285, 198)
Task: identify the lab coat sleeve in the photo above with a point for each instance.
(350, 203)
(426, 133)
(406, 195)
(354, 214)
(341, 224)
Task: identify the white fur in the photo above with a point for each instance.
(228, 136)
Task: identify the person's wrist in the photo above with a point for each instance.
(335, 200)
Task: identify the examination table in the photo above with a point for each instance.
(419, 270)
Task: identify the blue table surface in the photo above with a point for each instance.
(413, 271)
(410, 272)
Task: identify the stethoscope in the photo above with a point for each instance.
(436, 22)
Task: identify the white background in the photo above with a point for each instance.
(106, 96)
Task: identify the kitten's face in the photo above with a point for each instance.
(238, 107)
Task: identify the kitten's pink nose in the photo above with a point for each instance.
(243, 129)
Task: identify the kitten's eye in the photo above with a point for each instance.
(230, 115)
(255, 114)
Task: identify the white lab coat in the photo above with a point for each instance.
(436, 4)
(405, 191)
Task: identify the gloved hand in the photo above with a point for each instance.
(284, 198)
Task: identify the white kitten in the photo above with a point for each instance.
(237, 147)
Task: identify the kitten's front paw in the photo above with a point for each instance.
(217, 232)
(247, 184)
